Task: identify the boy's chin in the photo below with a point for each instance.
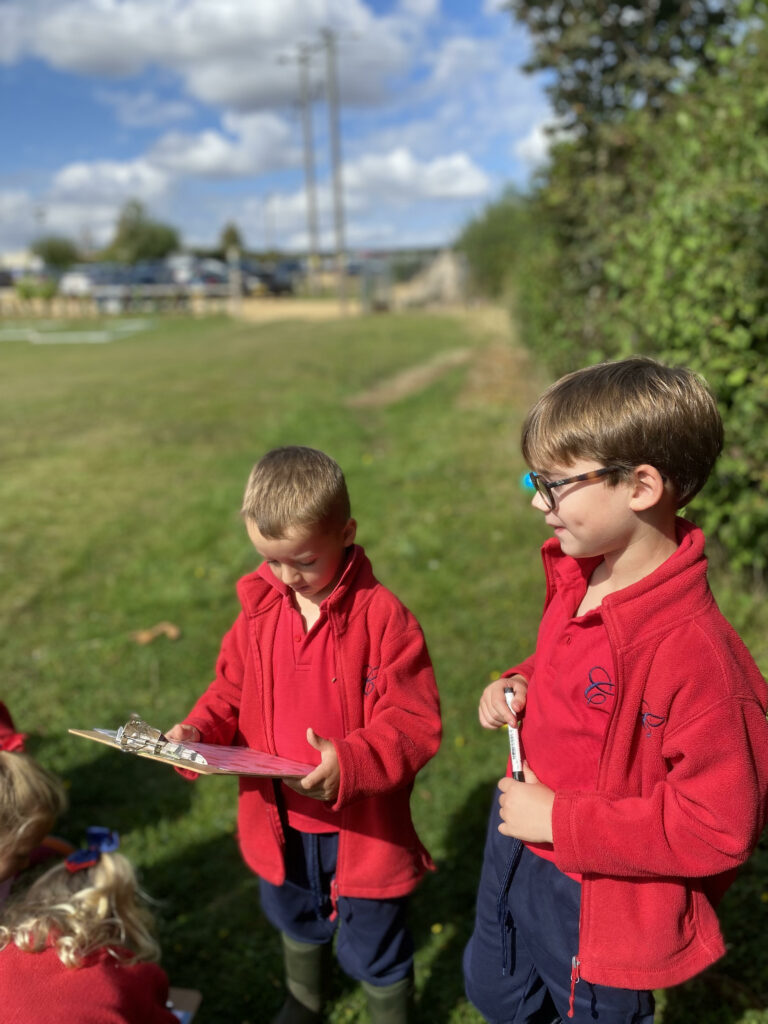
(572, 547)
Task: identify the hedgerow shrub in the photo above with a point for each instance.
(664, 251)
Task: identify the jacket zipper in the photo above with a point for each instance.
(575, 979)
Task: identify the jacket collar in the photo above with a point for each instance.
(677, 588)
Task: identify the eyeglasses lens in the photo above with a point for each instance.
(542, 489)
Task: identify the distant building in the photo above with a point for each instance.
(21, 262)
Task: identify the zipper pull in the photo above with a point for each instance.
(575, 979)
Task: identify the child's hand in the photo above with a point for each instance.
(526, 808)
(493, 711)
(322, 783)
(183, 734)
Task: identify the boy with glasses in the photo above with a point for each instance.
(643, 718)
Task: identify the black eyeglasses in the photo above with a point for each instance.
(545, 487)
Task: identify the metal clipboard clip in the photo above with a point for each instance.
(136, 735)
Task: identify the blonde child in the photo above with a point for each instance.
(325, 665)
(31, 799)
(77, 947)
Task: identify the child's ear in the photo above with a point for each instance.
(647, 488)
(350, 531)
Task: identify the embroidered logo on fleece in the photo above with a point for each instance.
(601, 687)
(649, 720)
(371, 672)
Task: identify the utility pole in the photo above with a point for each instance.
(268, 225)
(332, 94)
(303, 55)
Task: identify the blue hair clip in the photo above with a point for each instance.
(98, 840)
(526, 483)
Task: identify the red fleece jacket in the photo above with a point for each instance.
(38, 987)
(682, 790)
(392, 727)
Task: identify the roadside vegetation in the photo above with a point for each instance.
(646, 232)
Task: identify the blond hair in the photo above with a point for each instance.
(293, 487)
(627, 413)
(81, 911)
(30, 800)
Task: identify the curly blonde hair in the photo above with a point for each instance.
(82, 911)
(30, 800)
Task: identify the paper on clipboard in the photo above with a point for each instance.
(136, 737)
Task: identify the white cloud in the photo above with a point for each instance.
(227, 51)
(110, 181)
(534, 148)
(399, 175)
(144, 108)
(435, 115)
(18, 215)
(462, 57)
(84, 220)
(422, 9)
(262, 143)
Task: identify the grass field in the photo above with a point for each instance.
(123, 468)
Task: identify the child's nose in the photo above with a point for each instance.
(538, 503)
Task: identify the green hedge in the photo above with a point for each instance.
(654, 239)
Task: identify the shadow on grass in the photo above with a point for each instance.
(733, 990)
(738, 984)
(120, 791)
(446, 901)
(215, 938)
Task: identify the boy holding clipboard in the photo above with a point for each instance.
(325, 665)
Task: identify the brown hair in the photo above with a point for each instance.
(626, 413)
(295, 486)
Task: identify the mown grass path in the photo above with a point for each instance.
(122, 471)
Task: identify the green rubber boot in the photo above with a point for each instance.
(304, 964)
(390, 1004)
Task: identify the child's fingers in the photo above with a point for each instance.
(319, 742)
(179, 733)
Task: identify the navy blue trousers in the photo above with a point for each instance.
(373, 943)
(517, 964)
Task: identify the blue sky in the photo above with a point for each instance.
(191, 107)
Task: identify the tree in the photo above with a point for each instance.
(55, 251)
(609, 58)
(230, 239)
(137, 237)
(670, 259)
(491, 242)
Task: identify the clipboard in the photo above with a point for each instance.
(136, 737)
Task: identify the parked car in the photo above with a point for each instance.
(259, 279)
(151, 272)
(77, 281)
(81, 279)
(210, 277)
